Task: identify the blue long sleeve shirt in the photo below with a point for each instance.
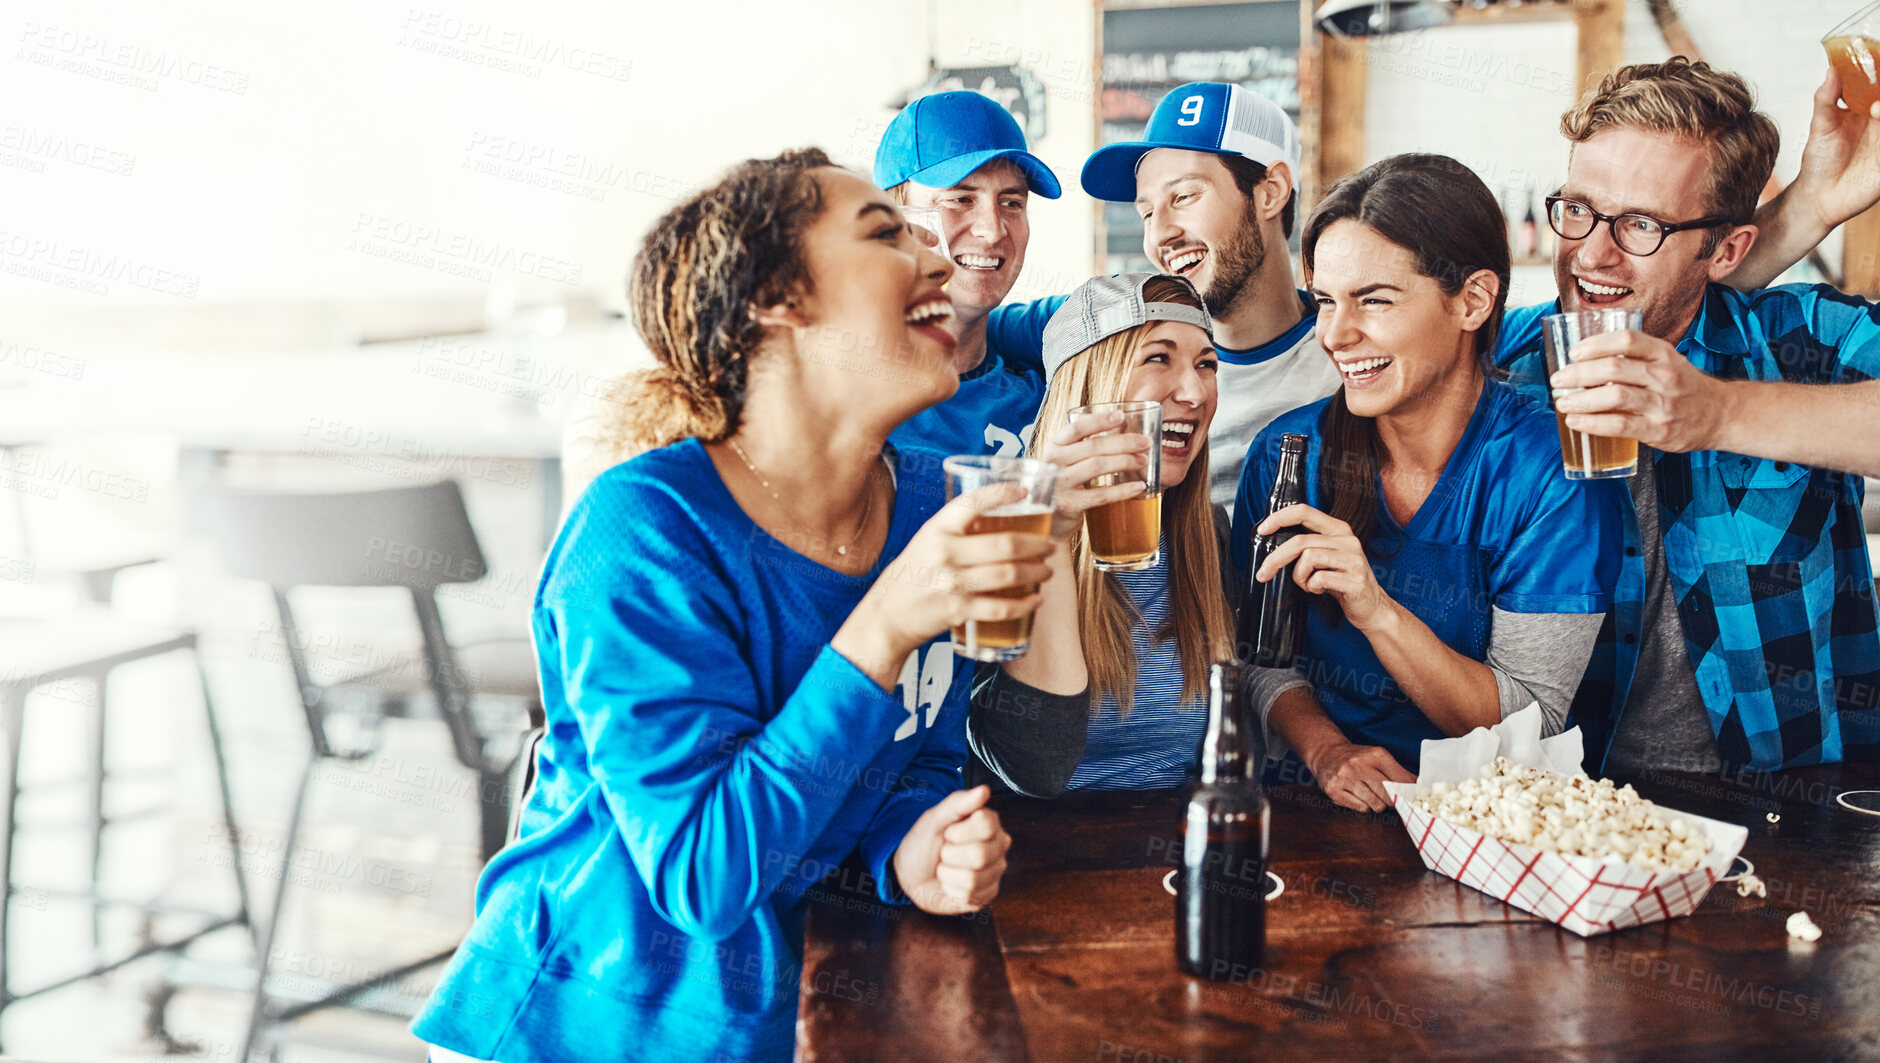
(708, 759)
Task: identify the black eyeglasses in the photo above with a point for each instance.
(1640, 234)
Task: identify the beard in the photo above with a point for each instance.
(1235, 263)
(1666, 311)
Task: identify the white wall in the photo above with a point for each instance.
(1489, 96)
(341, 150)
(204, 151)
(1492, 95)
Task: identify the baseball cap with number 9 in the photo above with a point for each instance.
(1205, 116)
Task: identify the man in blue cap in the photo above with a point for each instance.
(965, 156)
(1213, 179)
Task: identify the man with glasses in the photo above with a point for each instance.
(1744, 630)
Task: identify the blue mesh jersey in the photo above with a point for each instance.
(1502, 529)
(993, 411)
(1767, 559)
(709, 758)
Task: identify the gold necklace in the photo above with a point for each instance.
(868, 503)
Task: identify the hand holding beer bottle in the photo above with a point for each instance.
(1326, 558)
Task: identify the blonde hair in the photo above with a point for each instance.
(1199, 620)
(1698, 102)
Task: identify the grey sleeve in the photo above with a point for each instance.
(1540, 657)
(1264, 689)
(1032, 740)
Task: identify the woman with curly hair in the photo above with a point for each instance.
(742, 638)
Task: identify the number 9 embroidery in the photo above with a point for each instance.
(1191, 111)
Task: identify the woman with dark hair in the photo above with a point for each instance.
(1462, 576)
(743, 646)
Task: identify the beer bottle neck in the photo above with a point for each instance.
(1227, 750)
(1289, 485)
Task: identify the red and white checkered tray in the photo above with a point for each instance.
(1584, 895)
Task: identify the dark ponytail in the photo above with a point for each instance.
(1441, 212)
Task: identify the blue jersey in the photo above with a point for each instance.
(1503, 528)
(1766, 558)
(1016, 330)
(709, 758)
(993, 411)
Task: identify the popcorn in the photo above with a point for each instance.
(1749, 884)
(1800, 926)
(1571, 815)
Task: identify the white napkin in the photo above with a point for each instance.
(1518, 738)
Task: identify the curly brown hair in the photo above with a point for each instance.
(700, 272)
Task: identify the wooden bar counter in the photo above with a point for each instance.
(1368, 954)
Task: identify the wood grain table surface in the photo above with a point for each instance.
(1369, 955)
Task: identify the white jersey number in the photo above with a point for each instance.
(1005, 444)
(925, 678)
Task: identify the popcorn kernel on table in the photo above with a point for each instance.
(1801, 926)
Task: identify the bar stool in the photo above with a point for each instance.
(414, 538)
(88, 645)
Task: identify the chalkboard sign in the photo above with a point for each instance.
(1148, 51)
(1013, 87)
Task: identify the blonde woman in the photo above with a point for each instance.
(1112, 694)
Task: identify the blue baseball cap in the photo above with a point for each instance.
(1199, 116)
(938, 140)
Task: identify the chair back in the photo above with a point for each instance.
(413, 537)
(522, 779)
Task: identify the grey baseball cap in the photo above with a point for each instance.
(1101, 307)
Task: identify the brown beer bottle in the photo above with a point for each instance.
(1220, 906)
(1275, 614)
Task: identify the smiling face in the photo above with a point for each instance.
(1174, 365)
(1628, 170)
(1197, 224)
(987, 227)
(1397, 339)
(875, 302)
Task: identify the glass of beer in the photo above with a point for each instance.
(929, 228)
(1587, 456)
(1002, 640)
(1127, 535)
(1854, 52)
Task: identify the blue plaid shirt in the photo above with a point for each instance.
(1767, 559)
